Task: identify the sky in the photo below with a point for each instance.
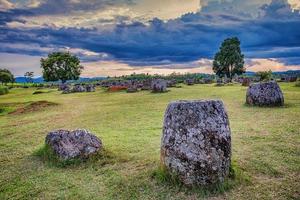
(119, 37)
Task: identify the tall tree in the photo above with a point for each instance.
(6, 76)
(29, 76)
(229, 60)
(61, 66)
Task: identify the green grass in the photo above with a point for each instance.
(265, 146)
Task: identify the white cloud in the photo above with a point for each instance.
(295, 4)
(115, 68)
(19, 64)
(5, 5)
(165, 9)
(275, 65)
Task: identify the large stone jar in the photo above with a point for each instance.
(196, 141)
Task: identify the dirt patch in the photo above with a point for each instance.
(116, 88)
(33, 107)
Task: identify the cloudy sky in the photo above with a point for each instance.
(115, 37)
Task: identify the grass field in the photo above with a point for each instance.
(265, 142)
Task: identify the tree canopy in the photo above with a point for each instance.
(6, 76)
(28, 76)
(229, 60)
(61, 66)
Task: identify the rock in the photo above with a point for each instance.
(132, 89)
(189, 81)
(63, 87)
(78, 88)
(246, 82)
(90, 88)
(159, 85)
(73, 144)
(67, 89)
(220, 82)
(207, 80)
(265, 94)
(146, 85)
(171, 83)
(291, 79)
(196, 141)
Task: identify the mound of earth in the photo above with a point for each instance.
(33, 107)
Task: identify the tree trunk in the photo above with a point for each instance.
(230, 73)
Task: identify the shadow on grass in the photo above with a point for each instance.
(103, 157)
(159, 184)
(236, 178)
(286, 105)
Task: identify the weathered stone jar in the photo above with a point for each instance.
(196, 141)
(265, 94)
(159, 85)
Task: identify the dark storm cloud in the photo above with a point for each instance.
(274, 34)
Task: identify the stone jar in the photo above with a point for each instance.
(196, 141)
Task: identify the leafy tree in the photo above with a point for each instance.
(264, 75)
(229, 60)
(61, 66)
(29, 76)
(6, 76)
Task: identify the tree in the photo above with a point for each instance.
(229, 60)
(264, 75)
(29, 76)
(61, 66)
(6, 76)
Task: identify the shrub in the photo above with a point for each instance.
(264, 75)
(3, 90)
(297, 83)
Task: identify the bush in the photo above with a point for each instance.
(3, 90)
(264, 75)
(297, 83)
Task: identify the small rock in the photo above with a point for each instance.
(246, 82)
(66, 89)
(78, 88)
(132, 89)
(159, 85)
(63, 87)
(90, 88)
(73, 144)
(189, 81)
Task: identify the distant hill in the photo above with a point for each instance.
(22, 79)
